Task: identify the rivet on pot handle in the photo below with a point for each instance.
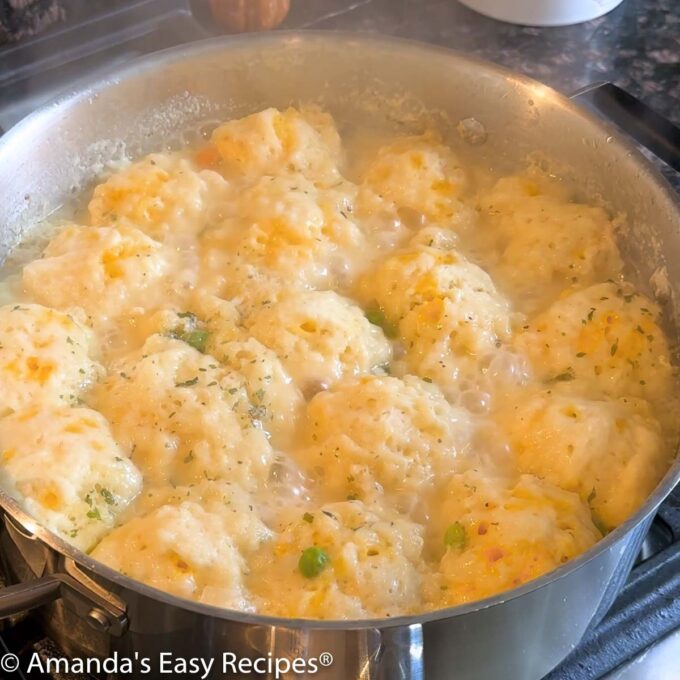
(634, 117)
(79, 593)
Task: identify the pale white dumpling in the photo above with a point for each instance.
(164, 196)
(373, 568)
(370, 435)
(447, 310)
(235, 507)
(284, 229)
(610, 452)
(416, 179)
(497, 533)
(273, 142)
(67, 470)
(275, 399)
(320, 338)
(184, 417)
(101, 269)
(180, 549)
(44, 357)
(546, 241)
(603, 340)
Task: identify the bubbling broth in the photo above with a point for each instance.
(306, 374)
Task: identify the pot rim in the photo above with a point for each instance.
(149, 63)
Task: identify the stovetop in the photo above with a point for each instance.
(640, 637)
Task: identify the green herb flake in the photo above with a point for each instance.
(94, 514)
(563, 377)
(614, 348)
(187, 383)
(308, 517)
(108, 497)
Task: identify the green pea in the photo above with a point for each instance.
(313, 561)
(454, 536)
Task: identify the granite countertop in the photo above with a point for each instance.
(636, 46)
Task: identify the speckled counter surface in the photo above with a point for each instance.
(637, 45)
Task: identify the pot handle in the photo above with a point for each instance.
(634, 117)
(27, 596)
(102, 610)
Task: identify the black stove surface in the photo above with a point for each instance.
(101, 34)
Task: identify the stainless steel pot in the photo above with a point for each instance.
(521, 634)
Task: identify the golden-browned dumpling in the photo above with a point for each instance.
(67, 470)
(44, 357)
(496, 534)
(101, 269)
(274, 142)
(372, 434)
(164, 196)
(610, 452)
(601, 340)
(416, 179)
(183, 416)
(320, 337)
(181, 549)
(373, 567)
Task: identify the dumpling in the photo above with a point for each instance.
(373, 565)
(601, 340)
(418, 180)
(236, 508)
(284, 229)
(164, 196)
(275, 142)
(278, 402)
(372, 435)
(546, 241)
(184, 417)
(216, 330)
(181, 549)
(497, 533)
(67, 470)
(44, 357)
(612, 453)
(320, 337)
(447, 309)
(104, 270)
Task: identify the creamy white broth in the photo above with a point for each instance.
(288, 373)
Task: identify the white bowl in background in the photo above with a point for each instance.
(543, 12)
